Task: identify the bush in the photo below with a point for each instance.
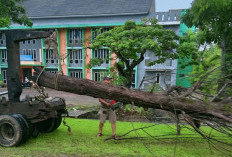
(2, 85)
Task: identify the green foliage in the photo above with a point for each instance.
(117, 80)
(94, 62)
(228, 107)
(1, 84)
(130, 42)
(204, 57)
(134, 110)
(207, 61)
(213, 18)
(13, 11)
(189, 46)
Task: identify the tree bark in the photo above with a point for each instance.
(196, 109)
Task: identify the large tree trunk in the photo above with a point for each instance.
(196, 109)
(226, 56)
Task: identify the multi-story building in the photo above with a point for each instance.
(75, 23)
(163, 74)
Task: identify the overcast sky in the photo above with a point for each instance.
(165, 5)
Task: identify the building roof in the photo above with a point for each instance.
(92, 13)
(85, 8)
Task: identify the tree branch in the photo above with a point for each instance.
(221, 90)
(134, 63)
(198, 83)
(120, 70)
(119, 55)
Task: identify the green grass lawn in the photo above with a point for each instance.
(83, 142)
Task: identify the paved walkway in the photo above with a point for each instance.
(71, 99)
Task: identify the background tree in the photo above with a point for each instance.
(213, 17)
(208, 59)
(204, 58)
(130, 43)
(13, 11)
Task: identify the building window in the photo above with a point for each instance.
(34, 55)
(97, 31)
(29, 52)
(75, 37)
(51, 57)
(99, 74)
(76, 73)
(52, 71)
(2, 38)
(33, 41)
(102, 54)
(29, 41)
(158, 76)
(75, 57)
(23, 41)
(133, 81)
(4, 77)
(4, 56)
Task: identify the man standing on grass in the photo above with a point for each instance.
(107, 111)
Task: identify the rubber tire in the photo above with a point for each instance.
(14, 124)
(26, 126)
(35, 131)
(49, 125)
(58, 122)
(46, 126)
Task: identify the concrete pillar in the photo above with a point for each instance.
(113, 61)
(63, 51)
(87, 52)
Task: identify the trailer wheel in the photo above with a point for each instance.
(11, 132)
(58, 122)
(49, 125)
(26, 126)
(34, 131)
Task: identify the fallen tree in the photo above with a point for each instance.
(198, 110)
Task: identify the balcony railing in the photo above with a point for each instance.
(171, 16)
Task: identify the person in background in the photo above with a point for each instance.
(26, 82)
(107, 111)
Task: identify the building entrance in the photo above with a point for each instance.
(27, 72)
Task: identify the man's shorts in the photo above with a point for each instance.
(104, 113)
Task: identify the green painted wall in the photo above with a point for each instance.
(183, 74)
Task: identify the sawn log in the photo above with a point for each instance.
(194, 108)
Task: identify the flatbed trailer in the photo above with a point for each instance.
(20, 120)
